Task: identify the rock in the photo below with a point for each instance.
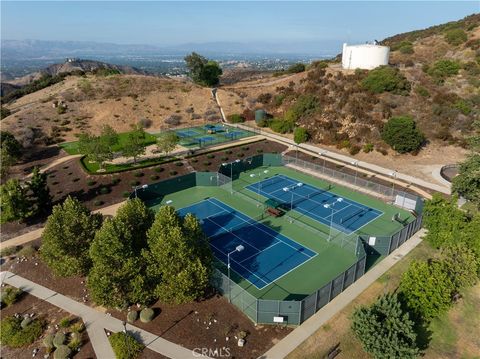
(241, 342)
(227, 339)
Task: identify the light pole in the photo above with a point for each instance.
(145, 186)
(394, 175)
(238, 248)
(259, 189)
(355, 163)
(225, 164)
(331, 206)
(290, 189)
(322, 154)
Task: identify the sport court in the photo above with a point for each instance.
(207, 135)
(323, 206)
(267, 255)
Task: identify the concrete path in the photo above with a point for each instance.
(37, 233)
(96, 321)
(56, 163)
(310, 326)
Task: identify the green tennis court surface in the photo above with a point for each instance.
(211, 134)
(240, 204)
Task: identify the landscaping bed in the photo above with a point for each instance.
(186, 324)
(52, 316)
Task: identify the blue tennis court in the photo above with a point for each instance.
(267, 255)
(348, 216)
(186, 133)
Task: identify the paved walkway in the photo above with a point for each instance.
(96, 321)
(56, 163)
(310, 326)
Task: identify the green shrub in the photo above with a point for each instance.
(240, 154)
(224, 158)
(402, 135)
(305, 105)
(406, 49)
(442, 69)
(134, 183)
(159, 169)
(354, 150)
(455, 36)
(146, 315)
(278, 99)
(228, 152)
(126, 194)
(48, 342)
(245, 148)
(132, 316)
(264, 122)
(210, 155)
(104, 190)
(207, 163)
(282, 126)
(178, 164)
(154, 177)
(59, 339)
(98, 202)
(27, 251)
(386, 79)
(125, 346)
(91, 183)
(116, 181)
(300, 135)
(368, 147)
(6, 252)
(62, 352)
(64, 322)
(463, 106)
(77, 327)
(235, 118)
(259, 150)
(138, 174)
(9, 295)
(173, 173)
(13, 335)
(422, 91)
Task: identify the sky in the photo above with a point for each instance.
(178, 22)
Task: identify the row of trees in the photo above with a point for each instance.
(390, 327)
(134, 257)
(21, 201)
(102, 148)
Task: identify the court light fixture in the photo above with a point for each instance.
(239, 248)
(285, 189)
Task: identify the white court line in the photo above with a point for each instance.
(296, 249)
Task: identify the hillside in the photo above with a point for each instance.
(435, 73)
(89, 102)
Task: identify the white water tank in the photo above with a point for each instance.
(365, 56)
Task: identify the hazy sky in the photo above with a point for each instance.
(168, 23)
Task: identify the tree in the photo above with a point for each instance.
(180, 258)
(117, 276)
(135, 144)
(467, 183)
(385, 329)
(461, 265)
(96, 149)
(4, 112)
(427, 289)
(41, 198)
(109, 137)
(14, 203)
(202, 71)
(402, 134)
(67, 237)
(167, 141)
(11, 150)
(300, 135)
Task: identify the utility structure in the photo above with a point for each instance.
(364, 56)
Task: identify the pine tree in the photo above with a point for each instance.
(180, 258)
(117, 276)
(66, 240)
(41, 198)
(385, 329)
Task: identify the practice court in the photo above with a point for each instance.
(348, 216)
(267, 255)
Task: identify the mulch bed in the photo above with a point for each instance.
(50, 313)
(187, 324)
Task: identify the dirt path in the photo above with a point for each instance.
(56, 162)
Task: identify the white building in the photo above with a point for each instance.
(365, 56)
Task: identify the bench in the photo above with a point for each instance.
(274, 212)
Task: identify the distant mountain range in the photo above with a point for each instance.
(16, 49)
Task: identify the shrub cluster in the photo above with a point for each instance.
(125, 346)
(12, 333)
(402, 135)
(386, 79)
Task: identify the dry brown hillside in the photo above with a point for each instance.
(118, 100)
(337, 108)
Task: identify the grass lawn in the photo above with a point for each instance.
(72, 147)
(454, 335)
